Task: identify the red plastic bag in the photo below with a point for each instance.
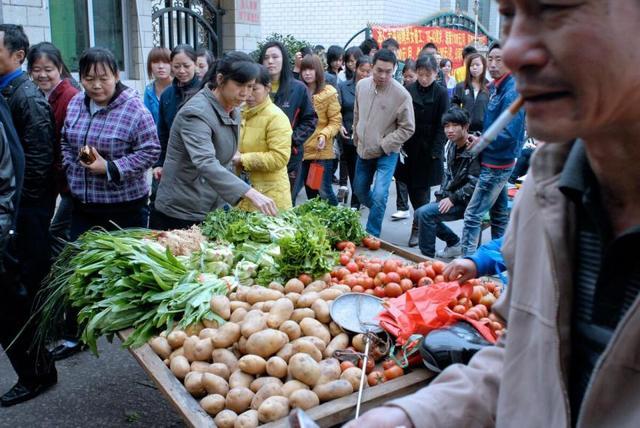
(421, 310)
(314, 177)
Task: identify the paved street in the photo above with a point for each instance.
(113, 390)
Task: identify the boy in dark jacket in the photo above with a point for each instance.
(460, 177)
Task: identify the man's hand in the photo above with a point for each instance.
(445, 205)
(98, 166)
(157, 173)
(344, 133)
(262, 202)
(321, 142)
(382, 417)
(460, 270)
(472, 140)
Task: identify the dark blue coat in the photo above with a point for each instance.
(347, 97)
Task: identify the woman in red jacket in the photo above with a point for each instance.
(49, 72)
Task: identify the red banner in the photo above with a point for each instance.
(413, 37)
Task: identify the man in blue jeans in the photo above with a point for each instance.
(497, 160)
(383, 120)
(460, 176)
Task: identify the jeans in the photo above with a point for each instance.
(431, 226)
(326, 188)
(348, 164)
(490, 195)
(419, 197)
(161, 221)
(375, 198)
(60, 228)
(402, 196)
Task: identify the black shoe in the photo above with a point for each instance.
(21, 392)
(63, 351)
(413, 239)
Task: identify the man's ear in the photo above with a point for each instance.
(19, 56)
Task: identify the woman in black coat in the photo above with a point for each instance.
(423, 165)
(472, 95)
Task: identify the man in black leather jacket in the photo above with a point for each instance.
(26, 260)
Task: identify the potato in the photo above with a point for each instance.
(304, 368)
(342, 287)
(212, 404)
(358, 342)
(219, 369)
(239, 379)
(215, 384)
(190, 347)
(277, 367)
(303, 399)
(332, 390)
(280, 312)
(262, 381)
(202, 350)
(273, 285)
(293, 297)
(208, 333)
(334, 329)
(302, 313)
(294, 285)
(273, 408)
(175, 353)
(338, 343)
(315, 287)
(268, 390)
(258, 306)
(210, 324)
(329, 370)
(228, 334)
(266, 343)
(233, 296)
(193, 384)
(255, 320)
(226, 419)
(167, 362)
(248, 419)
(161, 346)
(292, 386)
(321, 309)
(241, 345)
(179, 366)
(291, 329)
(200, 366)
(241, 293)
(306, 346)
(238, 315)
(258, 293)
(239, 399)
(176, 338)
(235, 305)
(286, 352)
(307, 299)
(252, 364)
(221, 306)
(313, 327)
(330, 294)
(226, 357)
(353, 375)
(194, 329)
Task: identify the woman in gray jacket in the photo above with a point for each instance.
(198, 174)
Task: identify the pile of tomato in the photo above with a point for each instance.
(477, 304)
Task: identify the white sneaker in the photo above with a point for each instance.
(450, 252)
(400, 215)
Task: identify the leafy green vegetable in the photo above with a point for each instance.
(342, 224)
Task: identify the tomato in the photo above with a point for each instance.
(344, 259)
(374, 244)
(369, 291)
(406, 284)
(343, 272)
(393, 372)
(403, 272)
(392, 277)
(430, 272)
(416, 273)
(357, 289)
(379, 279)
(342, 245)
(346, 365)
(305, 279)
(361, 264)
(476, 295)
(488, 300)
(438, 267)
(375, 378)
(370, 364)
(388, 364)
(472, 315)
(368, 283)
(438, 279)
(351, 281)
(485, 321)
(366, 241)
(482, 310)
(351, 247)
(390, 266)
(379, 291)
(353, 267)
(425, 281)
(459, 309)
(373, 269)
(495, 326)
(392, 289)
(491, 286)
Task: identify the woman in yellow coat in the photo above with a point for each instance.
(265, 145)
(319, 147)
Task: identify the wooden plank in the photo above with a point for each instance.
(337, 412)
(169, 385)
(402, 252)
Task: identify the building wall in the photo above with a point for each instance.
(33, 15)
(240, 30)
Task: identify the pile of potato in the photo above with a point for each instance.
(274, 353)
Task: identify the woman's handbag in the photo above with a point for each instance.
(314, 177)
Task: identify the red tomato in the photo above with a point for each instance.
(392, 277)
(353, 267)
(430, 272)
(344, 259)
(459, 309)
(346, 365)
(342, 273)
(425, 281)
(374, 244)
(368, 283)
(392, 289)
(438, 267)
(393, 372)
(373, 269)
(375, 378)
(403, 272)
(305, 279)
(438, 279)
(351, 281)
(406, 284)
(342, 245)
(388, 363)
(351, 247)
(472, 314)
(379, 279)
(366, 241)
(390, 266)
(416, 273)
(357, 289)
(369, 291)
(370, 365)
(379, 291)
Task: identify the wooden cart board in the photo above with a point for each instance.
(331, 413)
